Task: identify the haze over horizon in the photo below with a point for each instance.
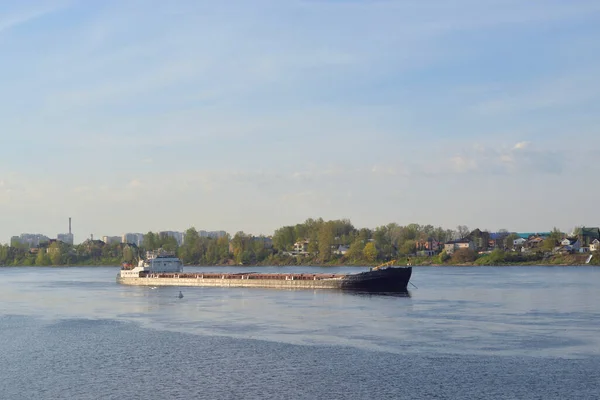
(136, 116)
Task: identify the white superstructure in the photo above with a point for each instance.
(156, 262)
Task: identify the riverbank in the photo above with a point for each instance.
(481, 261)
(490, 259)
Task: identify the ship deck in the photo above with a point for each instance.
(247, 279)
(243, 275)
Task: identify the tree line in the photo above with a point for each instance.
(324, 239)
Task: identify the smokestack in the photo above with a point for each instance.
(69, 225)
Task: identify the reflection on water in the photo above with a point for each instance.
(366, 293)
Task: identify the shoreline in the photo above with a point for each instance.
(320, 265)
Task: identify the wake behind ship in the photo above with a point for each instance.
(164, 269)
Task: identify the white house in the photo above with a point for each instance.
(519, 242)
(454, 245)
(301, 246)
(341, 250)
(595, 245)
(571, 244)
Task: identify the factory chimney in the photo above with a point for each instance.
(69, 225)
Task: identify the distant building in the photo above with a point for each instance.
(65, 238)
(178, 236)
(212, 234)
(587, 235)
(480, 239)
(519, 241)
(497, 239)
(534, 242)
(453, 245)
(570, 244)
(111, 239)
(341, 250)
(133, 238)
(301, 247)
(430, 246)
(29, 239)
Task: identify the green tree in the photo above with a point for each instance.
(442, 257)
(549, 244)
(128, 254)
(412, 231)
(285, 237)
(4, 255)
(26, 259)
(395, 234)
(326, 240)
(509, 241)
(365, 234)
(381, 236)
(150, 241)
(383, 242)
(462, 256)
(556, 235)
(370, 252)
(212, 252)
(313, 243)
(408, 247)
(300, 233)
(355, 252)
(42, 258)
(15, 242)
(223, 248)
(552, 240)
(169, 243)
(242, 248)
(55, 253)
(497, 256)
(190, 249)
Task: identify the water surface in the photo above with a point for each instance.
(465, 332)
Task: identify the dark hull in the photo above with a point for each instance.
(391, 279)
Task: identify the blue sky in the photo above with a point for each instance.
(136, 115)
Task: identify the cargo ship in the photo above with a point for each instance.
(162, 269)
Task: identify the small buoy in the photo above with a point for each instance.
(180, 295)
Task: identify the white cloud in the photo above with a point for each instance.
(383, 170)
(521, 159)
(521, 145)
(463, 164)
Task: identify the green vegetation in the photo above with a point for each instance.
(314, 242)
(462, 256)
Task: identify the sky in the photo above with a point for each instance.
(146, 115)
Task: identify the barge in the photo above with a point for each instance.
(167, 270)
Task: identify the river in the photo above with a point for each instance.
(463, 333)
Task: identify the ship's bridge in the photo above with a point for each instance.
(160, 261)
